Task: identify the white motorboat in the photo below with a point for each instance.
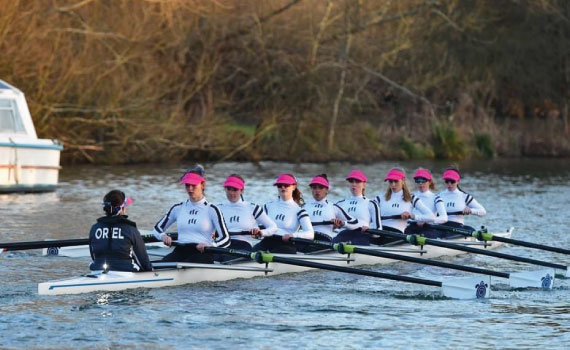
(27, 164)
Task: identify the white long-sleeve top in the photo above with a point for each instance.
(324, 211)
(196, 222)
(456, 201)
(363, 209)
(289, 216)
(396, 206)
(243, 216)
(434, 203)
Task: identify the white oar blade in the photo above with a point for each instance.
(477, 287)
(532, 279)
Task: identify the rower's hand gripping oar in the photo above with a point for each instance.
(483, 235)
(458, 288)
(420, 240)
(528, 279)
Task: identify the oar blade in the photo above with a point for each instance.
(532, 279)
(476, 287)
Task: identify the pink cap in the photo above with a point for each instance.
(285, 179)
(394, 174)
(451, 174)
(319, 180)
(191, 179)
(235, 182)
(421, 172)
(357, 175)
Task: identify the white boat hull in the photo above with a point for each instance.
(196, 273)
(30, 166)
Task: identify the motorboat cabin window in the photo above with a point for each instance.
(10, 119)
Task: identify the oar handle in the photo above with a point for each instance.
(322, 223)
(240, 233)
(391, 217)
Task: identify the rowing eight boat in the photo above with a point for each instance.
(174, 274)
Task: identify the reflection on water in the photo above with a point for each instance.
(310, 310)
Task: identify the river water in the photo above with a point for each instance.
(312, 310)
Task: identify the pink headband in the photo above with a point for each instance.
(451, 174)
(191, 179)
(421, 172)
(285, 179)
(235, 182)
(319, 180)
(394, 174)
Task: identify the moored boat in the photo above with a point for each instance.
(174, 274)
(27, 164)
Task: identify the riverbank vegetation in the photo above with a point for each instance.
(297, 80)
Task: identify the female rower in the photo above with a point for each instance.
(425, 192)
(114, 241)
(197, 221)
(458, 203)
(243, 217)
(287, 213)
(358, 206)
(398, 205)
(326, 216)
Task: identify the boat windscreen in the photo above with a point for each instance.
(10, 119)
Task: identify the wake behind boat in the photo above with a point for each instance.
(175, 274)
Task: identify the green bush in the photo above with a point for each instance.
(446, 142)
(485, 145)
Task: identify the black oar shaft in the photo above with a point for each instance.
(411, 259)
(43, 244)
(483, 236)
(305, 263)
(357, 271)
(66, 243)
(442, 244)
(431, 262)
(531, 245)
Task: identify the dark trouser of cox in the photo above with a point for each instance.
(236, 244)
(414, 229)
(188, 253)
(275, 244)
(309, 248)
(356, 237)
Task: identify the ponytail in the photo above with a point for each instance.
(298, 197)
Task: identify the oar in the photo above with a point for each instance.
(65, 243)
(391, 217)
(458, 288)
(419, 240)
(322, 223)
(535, 279)
(239, 233)
(483, 235)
